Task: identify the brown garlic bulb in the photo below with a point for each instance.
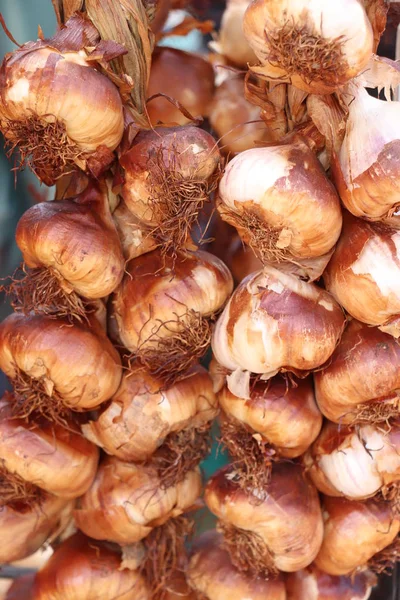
(231, 41)
(143, 413)
(127, 500)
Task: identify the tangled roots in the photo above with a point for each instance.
(15, 490)
(385, 560)
(304, 53)
(174, 346)
(40, 291)
(391, 493)
(248, 552)
(166, 553)
(380, 411)
(181, 452)
(43, 146)
(252, 456)
(30, 396)
(176, 201)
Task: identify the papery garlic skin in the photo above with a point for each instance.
(364, 273)
(82, 568)
(286, 515)
(367, 169)
(231, 41)
(187, 404)
(56, 459)
(24, 529)
(158, 290)
(313, 584)
(126, 501)
(341, 33)
(134, 237)
(77, 363)
(363, 371)
(283, 415)
(274, 322)
(353, 533)
(211, 573)
(286, 189)
(354, 464)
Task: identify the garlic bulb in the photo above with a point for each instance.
(364, 273)
(354, 533)
(160, 310)
(54, 365)
(313, 584)
(212, 574)
(183, 406)
(26, 527)
(235, 120)
(362, 380)
(279, 527)
(54, 458)
(71, 247)
(183, 77)
(280, 200)
(354, 464)
(82, 568)
(278, 412)
(367, 171)
(127, 500)
(231, 41)
(53, 97)
(316, 46)
(275, 322)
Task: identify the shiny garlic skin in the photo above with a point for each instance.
(353, 533)
(364, 371)
(159, 289)
(287, 517)
(76, 362)
(189, 403)
(282, 35)
(272, 322)
(57, 459)
(24, 529)
(364, 273)
(354, 464)
(211, 573)
(367, 168)
(285, 416)
(82, 568)
(126, 501)
(313, 584)
(286, 189)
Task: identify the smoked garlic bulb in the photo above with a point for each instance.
(57, 107)
(231, 41)
(127, 500)
(213, 575)
(57, 459)
(280, 201)
(352, 463)
(276, 528)
(354, 533)
(362, 380)
(55, 365)
(82, 569)
(143, 413)
(160, 311)
(364, 273)
(71, 248)
(316, 46)
(313, 584)
(275, 322)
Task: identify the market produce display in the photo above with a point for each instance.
(222, 253)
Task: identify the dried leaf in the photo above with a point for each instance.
(381, 73)
(64, 9)
(329, 118)
(186, 26)
(377, 11)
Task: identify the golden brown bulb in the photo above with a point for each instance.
(231, 41)
(361, 381)
(143, 413)
(213, 575)
(279, 527)
(82, 568)
(127, 500)
(53, 364)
